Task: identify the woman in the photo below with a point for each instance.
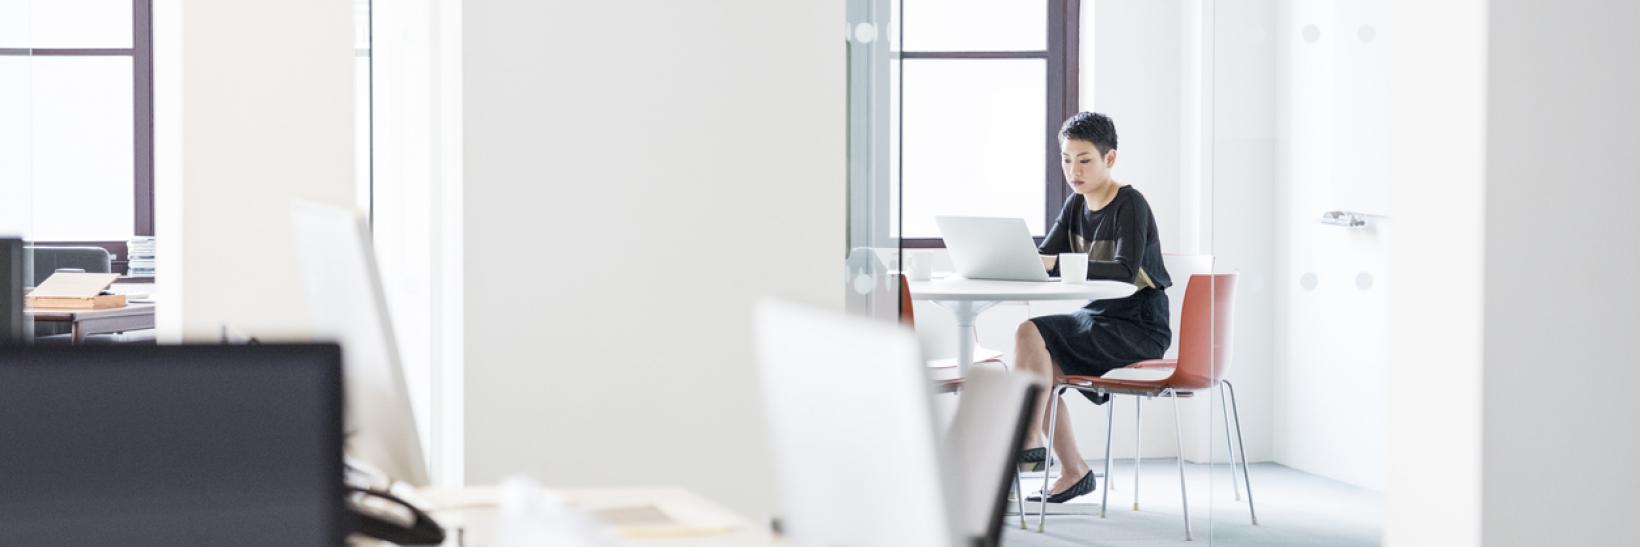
(1113, 226)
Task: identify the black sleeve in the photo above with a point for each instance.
(1058, 239)
(1131, 224)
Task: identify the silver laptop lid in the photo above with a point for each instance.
(991, 248)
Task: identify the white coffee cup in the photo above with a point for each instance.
(1073, 268)
(919, 267)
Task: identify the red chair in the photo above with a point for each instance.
(908, 317)
(1204, 358)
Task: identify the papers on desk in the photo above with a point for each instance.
(139, 253)
(76, 291)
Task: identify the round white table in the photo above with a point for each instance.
(967, 298)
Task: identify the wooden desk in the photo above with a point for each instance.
(85, 323)
(469, 516)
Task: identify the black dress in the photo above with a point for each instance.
(1122, 244)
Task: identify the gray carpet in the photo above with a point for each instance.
(1294, 508)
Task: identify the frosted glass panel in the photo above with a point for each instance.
(972, 142)
(83, 151)
(16, 212)
(79, 24)
(976, 25)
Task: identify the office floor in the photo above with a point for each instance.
(1295, 508)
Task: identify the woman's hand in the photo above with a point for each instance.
(1048, 261)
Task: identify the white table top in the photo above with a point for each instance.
(957, 289)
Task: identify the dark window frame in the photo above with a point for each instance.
(141, 53)
(1063, 58)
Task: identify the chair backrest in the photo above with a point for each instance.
(1181, 267)
(1204, 331)
(908, 315)
(47, 260)
(993, 412)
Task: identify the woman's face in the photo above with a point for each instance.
(1086, 170)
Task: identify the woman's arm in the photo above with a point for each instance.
(1058, 239)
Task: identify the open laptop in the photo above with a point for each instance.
(992, 248)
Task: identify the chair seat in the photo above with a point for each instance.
(981, 355)
(944, 371)
(1143, 378)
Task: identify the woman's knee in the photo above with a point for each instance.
(1027, 332)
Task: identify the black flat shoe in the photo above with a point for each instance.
(1082, 487)
(1033, 455)
(1033, 459)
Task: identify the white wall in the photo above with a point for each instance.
(1561, 258)
(637, 174)
(256, 119)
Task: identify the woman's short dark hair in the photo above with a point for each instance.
(1092, 127)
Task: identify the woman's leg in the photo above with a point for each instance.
(1031, 356)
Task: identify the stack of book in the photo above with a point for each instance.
(140, 251)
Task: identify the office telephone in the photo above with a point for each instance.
(380, 514)
(387, 517)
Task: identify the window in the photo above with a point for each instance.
(85, 70)
(983, 88)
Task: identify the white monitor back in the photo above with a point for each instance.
(851, 422)
(348, 306)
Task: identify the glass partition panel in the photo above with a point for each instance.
(76, 138)
(873, 192)
(1299, 211)
(16, 168)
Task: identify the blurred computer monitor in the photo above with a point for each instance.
(347, 305)
(171, 445)
(14, 275)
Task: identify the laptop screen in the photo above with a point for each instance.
(201, 445)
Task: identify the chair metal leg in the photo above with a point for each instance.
(1047, 467)
(1019, 499)
(1110, 433)
(1138, 444)
(1245, 477)
(1229, 449)
(1178, 430)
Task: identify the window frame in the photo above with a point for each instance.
(1063, 64)
(141, 53)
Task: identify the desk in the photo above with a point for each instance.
(469, 516)
(967, 298)
(105, 321)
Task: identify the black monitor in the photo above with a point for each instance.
(171, 445)
(14, 275)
